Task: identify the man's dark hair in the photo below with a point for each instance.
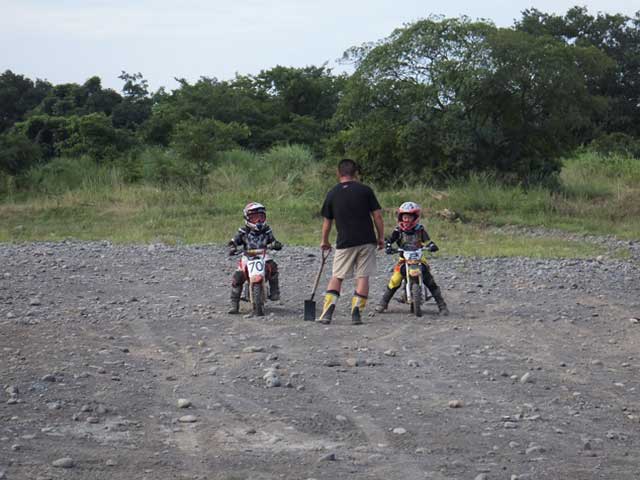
(348, 168)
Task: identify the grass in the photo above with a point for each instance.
(594, 195)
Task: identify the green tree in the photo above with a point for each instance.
(18, 96)
(94, 135)
(444, 97)
(617, 36)
(136, 106)
(199, 142)
(18, 153)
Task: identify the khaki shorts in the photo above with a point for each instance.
(360, 260)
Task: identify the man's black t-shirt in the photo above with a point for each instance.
(350, 204)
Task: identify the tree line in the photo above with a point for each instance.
(437, 99)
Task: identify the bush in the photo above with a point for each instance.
(18, 153)
(67, 174)
(164, 166)
(617, 144)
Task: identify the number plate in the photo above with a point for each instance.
(255, 267)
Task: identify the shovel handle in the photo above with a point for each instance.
(325, 255)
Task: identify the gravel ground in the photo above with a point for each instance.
(121, 362)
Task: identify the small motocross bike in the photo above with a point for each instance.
(415, 291)
(257, 273)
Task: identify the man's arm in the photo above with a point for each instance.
(379, 223)
(326, 229)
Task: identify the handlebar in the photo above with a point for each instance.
(253, 251)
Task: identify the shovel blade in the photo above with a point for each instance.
(310, 310)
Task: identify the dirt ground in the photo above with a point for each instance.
(534, 375)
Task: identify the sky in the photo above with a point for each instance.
(72, 40)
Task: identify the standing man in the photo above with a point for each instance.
(352, 205)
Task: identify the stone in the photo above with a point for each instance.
(455, 404)
(184, 403)
(64, 462)
(188, 419)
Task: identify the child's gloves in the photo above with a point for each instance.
(432, 247)
(277, 245)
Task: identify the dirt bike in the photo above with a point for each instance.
(415, 292)
(257, 274)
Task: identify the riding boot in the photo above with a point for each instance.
(386, 298)
(235, 299)
(442, 306)
(358, 303)
(330, 299)
(274, 287)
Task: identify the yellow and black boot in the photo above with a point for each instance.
(358, 303)
(330, 300)
(386, 298)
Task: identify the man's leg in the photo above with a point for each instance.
(330, 300)
(359, 300)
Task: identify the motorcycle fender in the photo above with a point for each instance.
(256, 279)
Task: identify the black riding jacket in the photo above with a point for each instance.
(414, 238)
(253, 240)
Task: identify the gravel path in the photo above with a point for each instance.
(120, 362)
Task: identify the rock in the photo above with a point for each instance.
(341, 418)
(353, 362)
(48, 378)
(455, 404)
(399, 431)
(35, 302)
(253, 349)
(535, 449)
(482, 476)
(111, 463)
(65, 462)
(188, 419)
(184, 403)
(526, 378)
(93, 420)
(413, 363)
(271, 378)
(390, 353)
(12, 390)
(329, 457)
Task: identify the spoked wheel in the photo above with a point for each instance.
(416, 299)
(257, 298)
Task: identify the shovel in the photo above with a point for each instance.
(310, 305)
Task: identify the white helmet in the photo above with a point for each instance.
(249, 212)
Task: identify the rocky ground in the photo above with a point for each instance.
(120, 362)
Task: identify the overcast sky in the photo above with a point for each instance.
(72, 40)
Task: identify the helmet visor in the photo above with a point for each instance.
(257, 217)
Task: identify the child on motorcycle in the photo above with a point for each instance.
(255, 234)
(408, 235)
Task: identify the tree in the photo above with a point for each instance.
(445, 97)
(136, 107)
(618, 37)
(18, 96)
(18, 153)
(199, 141)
